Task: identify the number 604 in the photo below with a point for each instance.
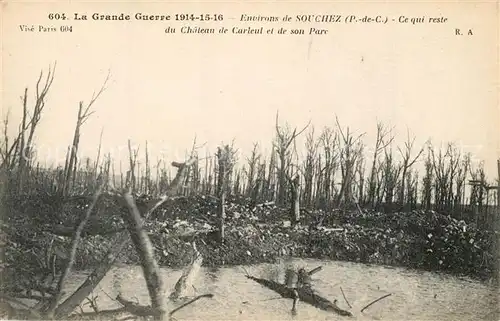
(57, 16)
(66, 28)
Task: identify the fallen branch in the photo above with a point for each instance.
(71, 260)
(120, 242)
(101, 314)
(28, 296)
(345, 298)
(246, 272)
(130, 317)
(315, 270)
(383, 297)
(135, 309)
(174, 186)
(188, 275)
(208, 295)
(145, 251)
(270, 299)
(138, 310)
(305, 294)
(93, 304)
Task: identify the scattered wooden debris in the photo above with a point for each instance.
(375, 301)
(305, 294)
(343, 294)
(186, 280)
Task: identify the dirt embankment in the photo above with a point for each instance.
(36, 234)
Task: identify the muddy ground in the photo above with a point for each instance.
(36, 233)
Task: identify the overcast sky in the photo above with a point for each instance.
(168, 88)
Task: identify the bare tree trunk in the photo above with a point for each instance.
(147, 187)
(221, 191)
(427, 184)
(498, 187)
(222, 216)
(83, 115)
(281, 179)
(270, 182)
(226, 161)
(406, 165)
(22, 148)
(284, 139)
(210, 176)
(295, 209)
(318, 199)
(145, 251)
(350, 153)
(252, 169)
(71, 259)
(121, 241)
(73, 151)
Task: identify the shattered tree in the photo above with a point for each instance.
(143, 246)
(226, 160)
(284, 139)
(84, 112)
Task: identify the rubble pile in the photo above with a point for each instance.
(37, 235)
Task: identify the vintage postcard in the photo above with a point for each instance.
(250, 160)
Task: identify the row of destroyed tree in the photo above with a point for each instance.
(49, 300)
(49, 305)
(337, 170)
(333, 175)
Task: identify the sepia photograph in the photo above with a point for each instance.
(260, 160)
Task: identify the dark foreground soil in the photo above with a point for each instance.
(36, 233)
